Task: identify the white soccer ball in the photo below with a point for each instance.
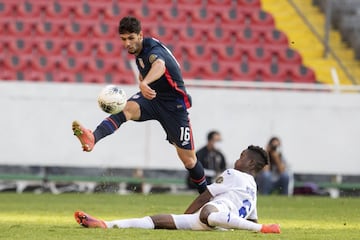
(112, 99)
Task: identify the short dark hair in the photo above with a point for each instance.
(211, 134)
(129, 24)
(260, 156)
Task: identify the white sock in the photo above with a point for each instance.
(145, 223)
(232, 221)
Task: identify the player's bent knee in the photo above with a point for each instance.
(132, 111)
(205, 212)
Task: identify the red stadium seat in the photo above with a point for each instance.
(117, 78)
(22, 27)
(190, 70)
(104, 2)
(19, 46)
(189, 2)
(105, 30)
(257, 54)
(275, 73)
(289, 55)
(228, 19)
(72, 64)
(247, 72)
(102, 65)
(94, 78)
(50, 46)
(220, 70)
(162, 33)
(68, 77)
(250, 3)
(28, 9)
(17, 62)
(189, 34)
(88, 11)
(8, 74)
(220, 35)
(59, 10)
(3, 25)
(302, 74)
(173, 15)
(108, 47)
(7, 8)
(50, 28)
(36, 76)
(43, 63)
(78, 28)
(112, 12)
(202, 16)
(220, 2)
(225, 52)
(230, 16)
(194, 51)
(248, 36)
(276, 37)
(80, 47)
(262, 18)
(116, 10)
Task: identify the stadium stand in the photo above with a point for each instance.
(208, 37)
(304, 24)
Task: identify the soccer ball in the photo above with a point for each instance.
(112, 99)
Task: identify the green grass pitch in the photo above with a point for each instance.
(46, 216)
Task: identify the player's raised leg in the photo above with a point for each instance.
(195, 168)
(108, 126)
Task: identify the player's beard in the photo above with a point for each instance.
(132, 50)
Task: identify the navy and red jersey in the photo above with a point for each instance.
(169, 86)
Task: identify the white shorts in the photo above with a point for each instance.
(192, 221)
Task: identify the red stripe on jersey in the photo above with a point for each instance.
(174, 85)
(198, 180)
(112, 121)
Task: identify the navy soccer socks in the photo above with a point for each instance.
(109, 126)
(197, 176)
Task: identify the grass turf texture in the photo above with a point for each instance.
(28, 216)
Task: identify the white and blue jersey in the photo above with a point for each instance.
(237, 191)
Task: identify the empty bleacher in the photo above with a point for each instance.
(76, 41)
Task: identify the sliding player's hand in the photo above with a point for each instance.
(147, 91)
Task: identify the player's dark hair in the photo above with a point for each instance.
(129, 24)
(260, 157)
(211, 134)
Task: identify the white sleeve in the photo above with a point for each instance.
(222, 183)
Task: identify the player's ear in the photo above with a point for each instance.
(141, 35)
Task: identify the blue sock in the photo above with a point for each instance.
(109, 126)
(197, 176)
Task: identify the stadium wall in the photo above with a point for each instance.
(320, 131)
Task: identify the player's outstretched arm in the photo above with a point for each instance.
(199, 202)
(156, 71)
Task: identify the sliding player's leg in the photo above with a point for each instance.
(164, 221)
(218, 215)
(108, 126)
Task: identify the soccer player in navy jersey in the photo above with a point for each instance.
(162, 97)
